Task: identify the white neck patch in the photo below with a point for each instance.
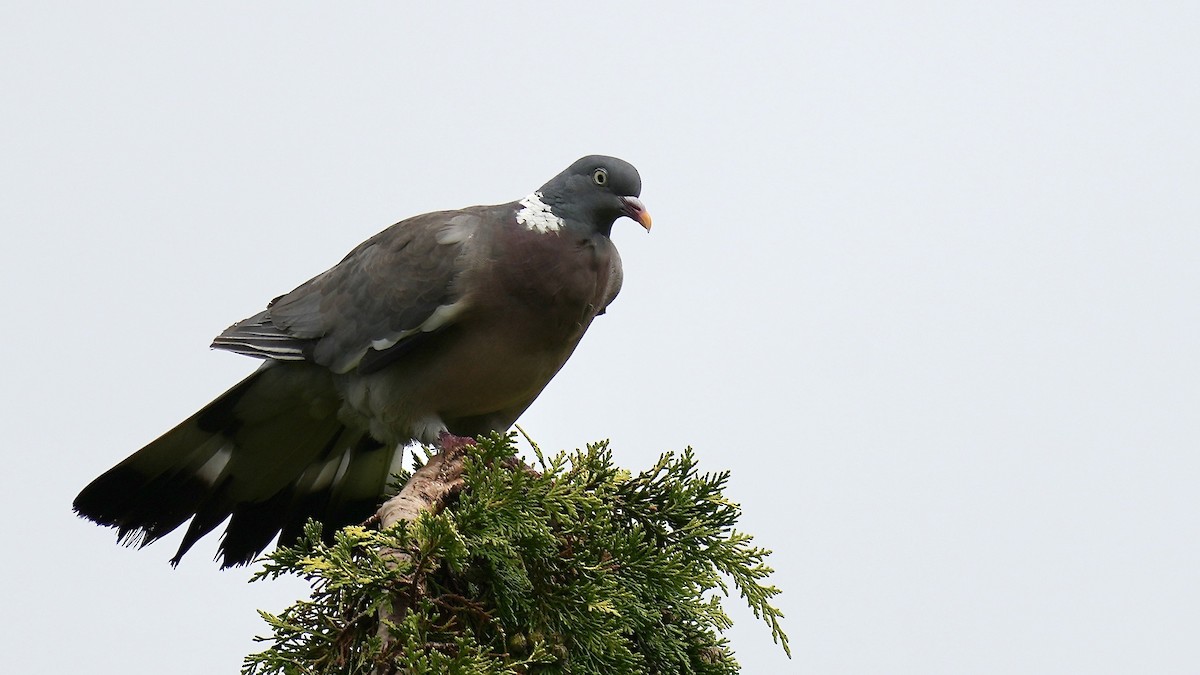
(536, 215)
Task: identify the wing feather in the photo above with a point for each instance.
(403, 284)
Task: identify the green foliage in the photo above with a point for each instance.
(577, 568)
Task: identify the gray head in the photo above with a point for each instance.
(595, 191)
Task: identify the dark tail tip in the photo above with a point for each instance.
(141, 508)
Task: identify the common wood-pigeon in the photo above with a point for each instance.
(447, 323)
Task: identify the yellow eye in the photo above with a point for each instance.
(600, 177)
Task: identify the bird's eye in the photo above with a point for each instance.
(600, 177)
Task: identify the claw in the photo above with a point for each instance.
(451, 443)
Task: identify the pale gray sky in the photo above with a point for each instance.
(924, 276)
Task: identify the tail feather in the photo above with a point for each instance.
(357, 492)
(268, 454)
(145, 501)
(211, 512)
(252, 527)
(317, 494)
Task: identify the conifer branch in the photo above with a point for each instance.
(493, 568)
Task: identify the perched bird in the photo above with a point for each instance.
(444, 325)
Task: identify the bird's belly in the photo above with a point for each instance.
(489, 375)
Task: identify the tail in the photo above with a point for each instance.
(268, 454)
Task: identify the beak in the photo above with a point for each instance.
(634, 208)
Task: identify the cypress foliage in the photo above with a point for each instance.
(578, 567)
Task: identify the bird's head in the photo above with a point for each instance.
(595, 191)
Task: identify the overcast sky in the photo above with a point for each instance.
(924, 276)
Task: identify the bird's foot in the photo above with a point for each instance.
(451, 443)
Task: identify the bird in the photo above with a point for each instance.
(442, 327)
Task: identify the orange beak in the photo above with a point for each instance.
(634, 208)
